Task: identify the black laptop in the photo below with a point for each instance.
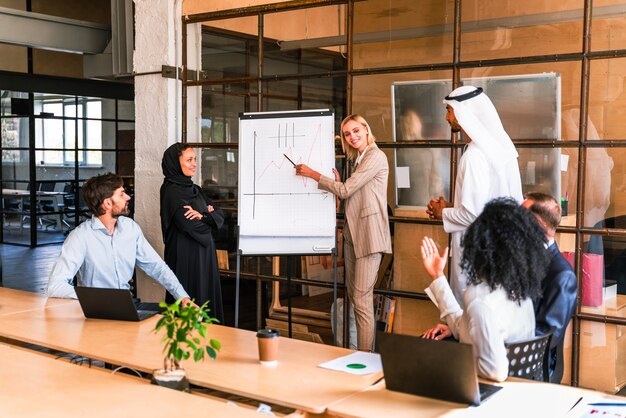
(443, 370)
(118, 304)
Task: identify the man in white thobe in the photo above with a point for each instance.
(488, 169)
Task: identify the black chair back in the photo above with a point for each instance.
(529, 359)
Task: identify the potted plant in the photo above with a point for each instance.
(185, 337)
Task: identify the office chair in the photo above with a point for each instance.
(529, 359)
(557, 373)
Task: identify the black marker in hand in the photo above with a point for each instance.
(289, 159)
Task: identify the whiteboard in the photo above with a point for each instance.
(280, 212)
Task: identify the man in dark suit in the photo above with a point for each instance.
(556, 306)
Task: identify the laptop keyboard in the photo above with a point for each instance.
(143, 314)
(146, 310)
(487, 390)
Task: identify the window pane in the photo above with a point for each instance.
(221, 106)
(605, 197)
(420, 175)
(126, 163)
(402, 32)
(218, 178)
(230, 48)
(408, 265)
(45, 157)
(601, 348)
(372, 98)
(15, 174)
(14, 133)
(126, 109)
(305, 41)
(502, 29)
(97, 108)
(604, 265)
(94, 134)
(53, 104)
(552, 171)
(13, 103)
(70, 140)
(418, 111)
(566, 99)
(316, 93)
(108, 164)
(219, 171)
(608, 25)
(125, 135)
(607, 108)
(49, 134)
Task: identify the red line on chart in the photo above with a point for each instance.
(279, 165)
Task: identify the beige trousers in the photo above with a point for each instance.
(361, 274)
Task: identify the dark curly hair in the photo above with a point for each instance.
(505, 247)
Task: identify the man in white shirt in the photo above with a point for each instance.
(488, 169)
(105, 249)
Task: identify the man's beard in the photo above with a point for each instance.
(122, 212)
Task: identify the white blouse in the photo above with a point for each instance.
(490, 319)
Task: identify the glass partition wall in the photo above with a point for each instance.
(52, 143)
(559, 91)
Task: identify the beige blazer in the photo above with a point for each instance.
(366, 202)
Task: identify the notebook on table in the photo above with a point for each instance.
(443, 370)
(117, 304)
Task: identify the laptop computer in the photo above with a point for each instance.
(117, 304)
(443, 370)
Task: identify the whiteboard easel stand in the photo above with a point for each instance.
(290, 271)
(237, 277)
(334, 315)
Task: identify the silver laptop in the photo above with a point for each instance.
(443, 370)
(117, 304)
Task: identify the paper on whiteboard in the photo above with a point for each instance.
(564, 162)
(403, 180)
(274, 202)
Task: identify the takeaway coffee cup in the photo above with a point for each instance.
(268, 346)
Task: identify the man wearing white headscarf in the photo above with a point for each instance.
(488, 169)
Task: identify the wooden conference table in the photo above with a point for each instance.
(34, 385)
(517, 398)
(296, 382)
(13, 301)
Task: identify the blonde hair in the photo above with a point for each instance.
(351, 152)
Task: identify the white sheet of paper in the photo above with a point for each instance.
(564, 162)
(402, 178)
(370, 361)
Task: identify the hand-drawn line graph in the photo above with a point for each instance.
(279, 170)
(274, 201)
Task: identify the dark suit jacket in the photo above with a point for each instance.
(556, 306)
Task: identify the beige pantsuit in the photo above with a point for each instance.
(367, 234)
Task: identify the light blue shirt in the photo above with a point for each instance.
(103, 260)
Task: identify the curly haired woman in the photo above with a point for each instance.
(504, 257)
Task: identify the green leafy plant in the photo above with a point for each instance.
(185, 326)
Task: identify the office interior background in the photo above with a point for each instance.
(69, 112)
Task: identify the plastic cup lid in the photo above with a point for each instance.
(268, 333)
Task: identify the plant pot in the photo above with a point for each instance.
(173, 379)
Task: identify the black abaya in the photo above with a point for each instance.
(189, 247)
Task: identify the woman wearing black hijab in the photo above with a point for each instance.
(188, 218)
